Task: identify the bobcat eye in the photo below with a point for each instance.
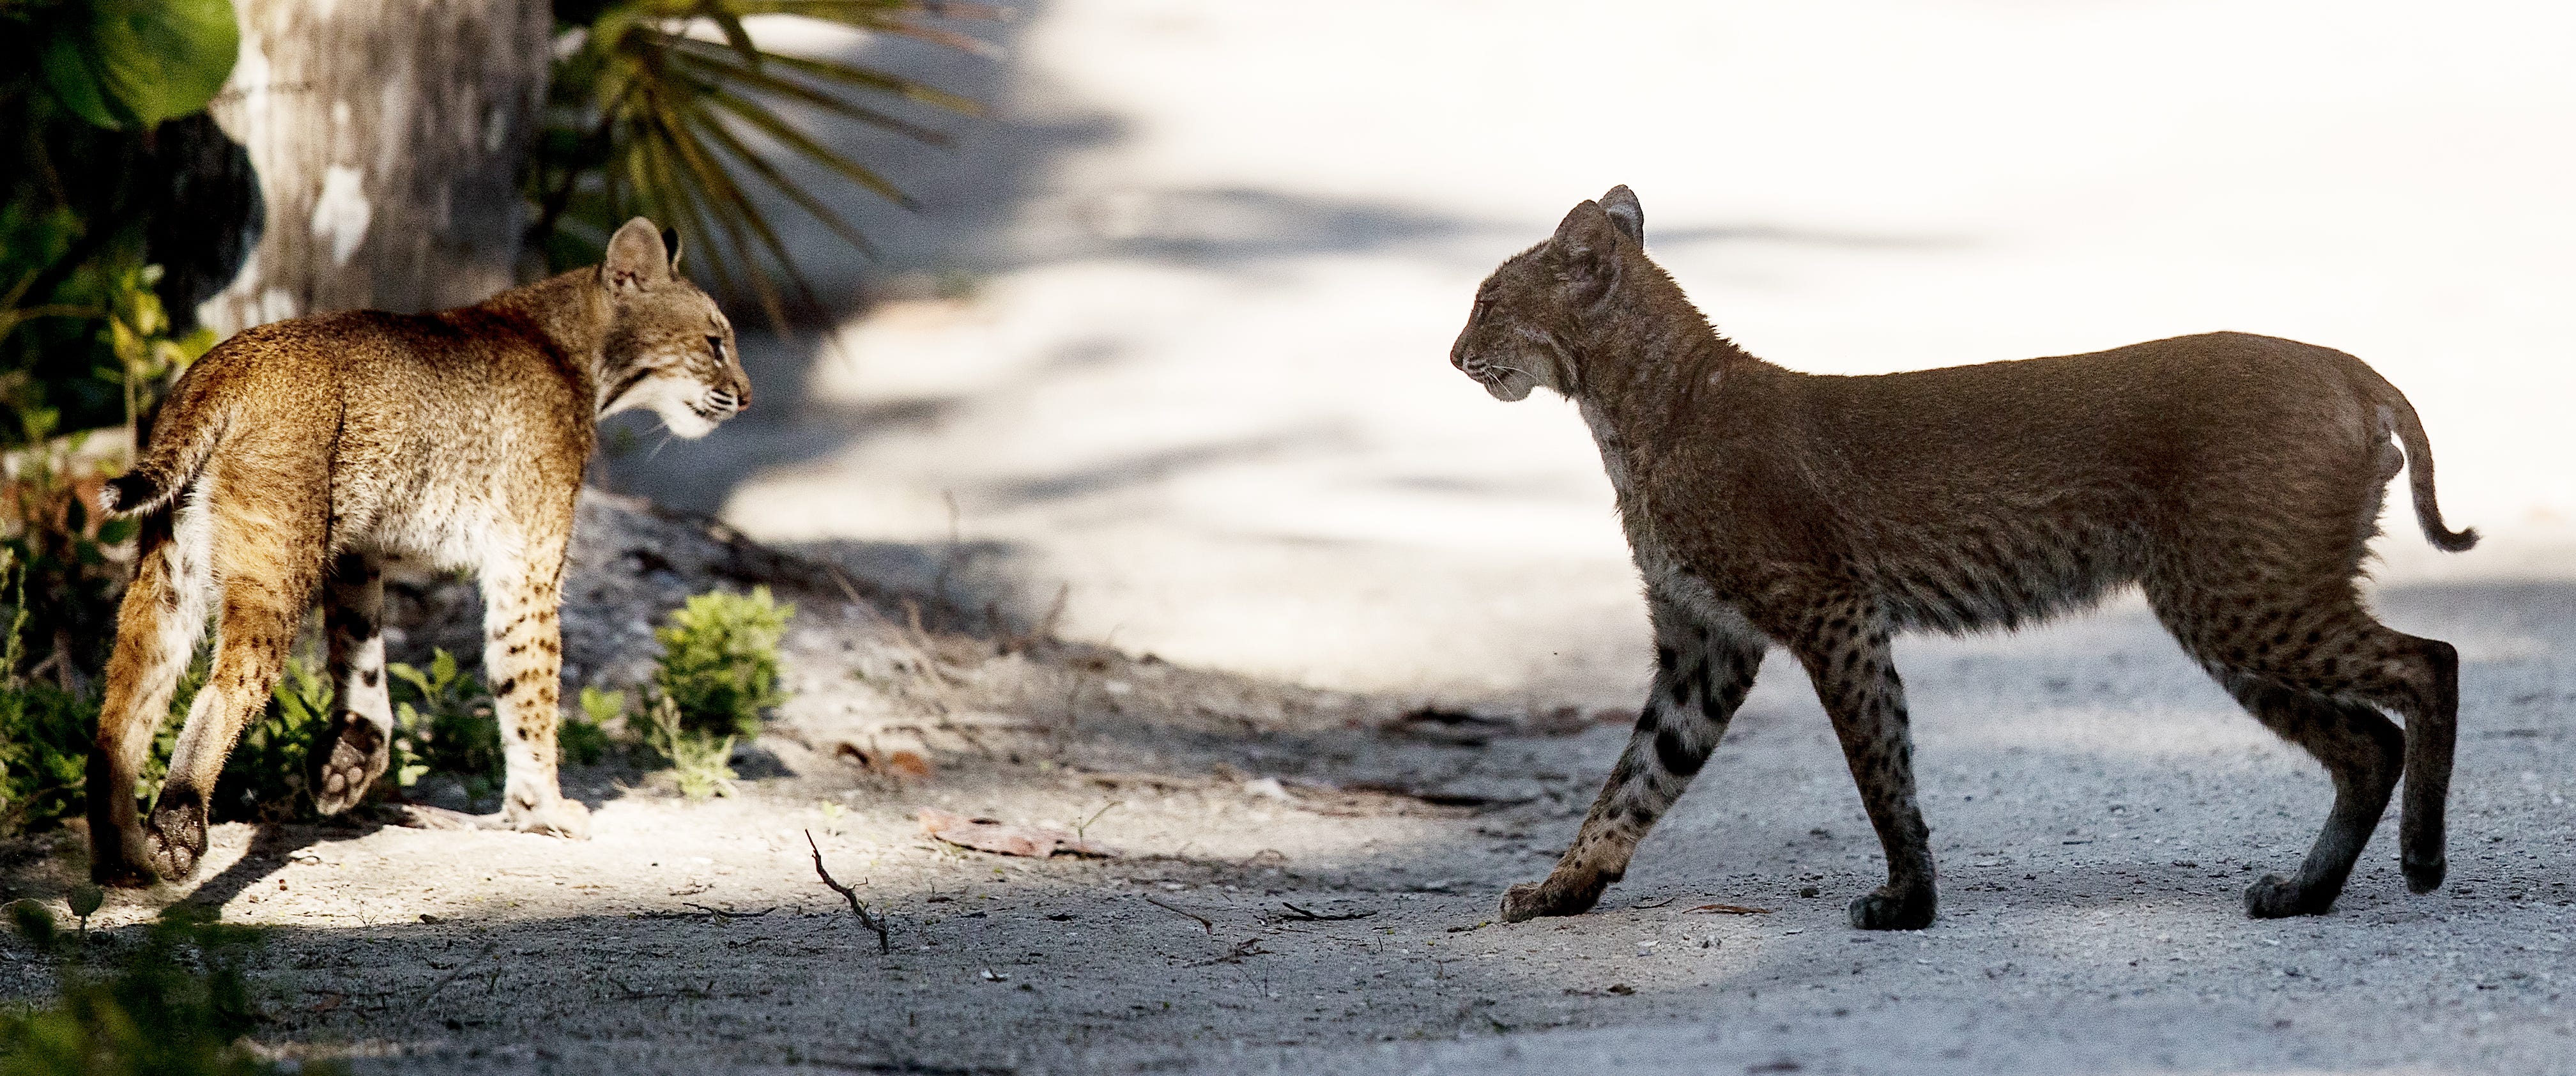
(716, 344)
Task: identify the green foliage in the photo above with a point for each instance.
(698, 760)
(174, 1005)
(135, 63)
(643, 117)
(44, 729)
(44, 753)
(84, 338)
(719, 661)
(445, 726)
(79, 201)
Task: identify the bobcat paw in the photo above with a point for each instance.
(357, 754)
(1530, 900)
(174, 839)
(1888, 909)
(558, 817)
(2275, 897)
(2424, 876)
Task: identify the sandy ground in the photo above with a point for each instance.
(1168, 341)
(2098, 808)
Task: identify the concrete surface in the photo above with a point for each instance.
(1170, 338)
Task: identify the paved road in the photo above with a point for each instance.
(1170, 335)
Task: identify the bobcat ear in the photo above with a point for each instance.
(1587, 244)
(636, 258)
(1630, 217)
(671, 241)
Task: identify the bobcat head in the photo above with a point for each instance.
(1529, 314)
(668, 349)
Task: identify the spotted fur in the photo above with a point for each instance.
(2236, 479)
(297, 459)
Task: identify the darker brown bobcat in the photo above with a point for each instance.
(2236, 479)
(297, 458)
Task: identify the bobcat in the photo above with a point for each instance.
(300, 457)
(2236, 479)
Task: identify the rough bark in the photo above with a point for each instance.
(388, 136)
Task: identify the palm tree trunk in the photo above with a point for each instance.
(388, 137)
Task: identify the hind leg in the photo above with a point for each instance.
(353, 752)
(2313, 667)
(266, 550)
(254, 636)
(157, 628)
(2363, 752)
(1702, 674)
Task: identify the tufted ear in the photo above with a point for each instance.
(636, 258)
(1587, 245)
(1630, 217)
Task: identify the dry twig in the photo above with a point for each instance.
(1203, 920)
(727, 913)
(1303, 916)
(858, 907)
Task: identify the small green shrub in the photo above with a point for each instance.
(698, 760)
(445, 725)
(174, 1005)
(719, 661)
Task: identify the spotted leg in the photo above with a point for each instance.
(1843, 642)
(1702, 672)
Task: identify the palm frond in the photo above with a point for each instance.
(650, 108)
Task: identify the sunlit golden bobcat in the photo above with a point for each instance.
(297, 458)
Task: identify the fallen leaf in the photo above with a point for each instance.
(898, 763)
(1622, 989)
(999, 838)
(992, 976)
(1729, 909)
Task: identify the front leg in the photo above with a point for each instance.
(1843, 642)
(523, 661)
(1702, 672)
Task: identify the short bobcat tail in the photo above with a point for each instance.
(189, 425)
(2397, 417)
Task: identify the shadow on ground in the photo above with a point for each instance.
(2098, 809)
